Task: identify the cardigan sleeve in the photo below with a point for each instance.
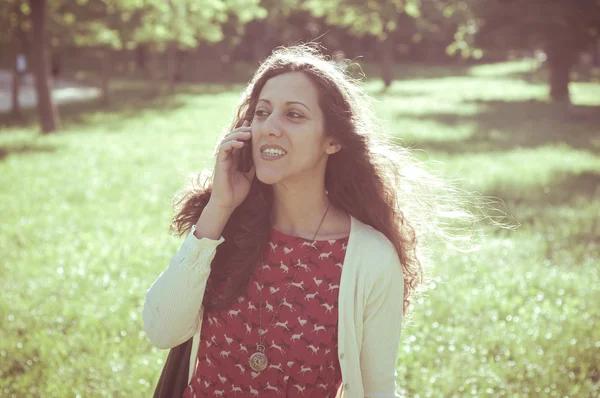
(173, 306)
(382, 325)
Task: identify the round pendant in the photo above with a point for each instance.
(258, 361)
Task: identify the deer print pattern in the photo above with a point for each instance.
(301, 344)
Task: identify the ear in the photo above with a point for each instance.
(333, 146)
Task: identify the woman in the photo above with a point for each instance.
(301, 255)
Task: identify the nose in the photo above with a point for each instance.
(271, 125)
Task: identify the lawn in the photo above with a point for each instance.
(85, 215)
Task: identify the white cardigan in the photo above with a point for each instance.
(369, 308)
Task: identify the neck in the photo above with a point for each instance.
(298, 210)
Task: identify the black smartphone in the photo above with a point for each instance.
(245, 156)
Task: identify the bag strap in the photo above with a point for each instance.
(193, 355)
(173, 379)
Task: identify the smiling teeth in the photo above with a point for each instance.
(276, 152)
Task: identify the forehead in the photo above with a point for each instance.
(292, 86)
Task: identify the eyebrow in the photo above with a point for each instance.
(287, 103)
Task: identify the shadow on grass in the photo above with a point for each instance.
(25, 148)
(567, 230)
(404, 71)
(127, 100)
(502, 126)
(540, 75)
(562, 189)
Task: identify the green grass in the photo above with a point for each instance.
(85, 213)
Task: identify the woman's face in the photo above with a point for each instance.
(288, 137)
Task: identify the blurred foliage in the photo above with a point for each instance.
(122, 24)
(525, 24)
(465, 27)
(14, 24)
(381, 31)
(377, 18)
(559, 28)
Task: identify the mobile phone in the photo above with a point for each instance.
(245, 156)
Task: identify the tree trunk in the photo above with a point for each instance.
(156, 78)
(19, 48)
(258, 45)
(262, 32)
(171, 65)
(171, 52)
(560, 62)
(16, 89)
(46, 110)
(55, 65)
(141, 56)
(387, 61)
(106, 70)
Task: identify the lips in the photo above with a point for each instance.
(272, 152)
(272, 146)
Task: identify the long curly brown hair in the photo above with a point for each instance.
(381, 184)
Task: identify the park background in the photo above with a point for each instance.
(123, 99)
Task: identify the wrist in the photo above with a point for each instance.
(217, 210)
(212, 221)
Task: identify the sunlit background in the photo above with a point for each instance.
(503, 96)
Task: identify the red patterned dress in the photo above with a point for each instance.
(301, 344)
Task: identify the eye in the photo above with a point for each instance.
(260, 113)
(295, 115)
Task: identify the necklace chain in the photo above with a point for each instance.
(260, 346)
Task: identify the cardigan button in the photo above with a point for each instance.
(346, 386)
(342, 355)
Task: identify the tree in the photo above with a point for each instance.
(381, 19)
(275, 26)
(562, 28)
(46, 110)
(171, 26)
(153, 26)
(92, 25)
(13, 37)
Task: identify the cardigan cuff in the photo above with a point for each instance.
(196, 254)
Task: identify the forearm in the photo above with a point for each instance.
(212, 221)
(382, 326)
(172, 310)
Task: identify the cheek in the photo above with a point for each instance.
(307, 153)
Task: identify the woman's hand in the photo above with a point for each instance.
(230, 186)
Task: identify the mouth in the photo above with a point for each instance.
(272, 152)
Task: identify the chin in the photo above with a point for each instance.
(268, 177)
(267, 172)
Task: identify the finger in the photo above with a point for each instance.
(241, 135)
(245, 124)
(242, 132)
(242, 140)
(229, 146)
